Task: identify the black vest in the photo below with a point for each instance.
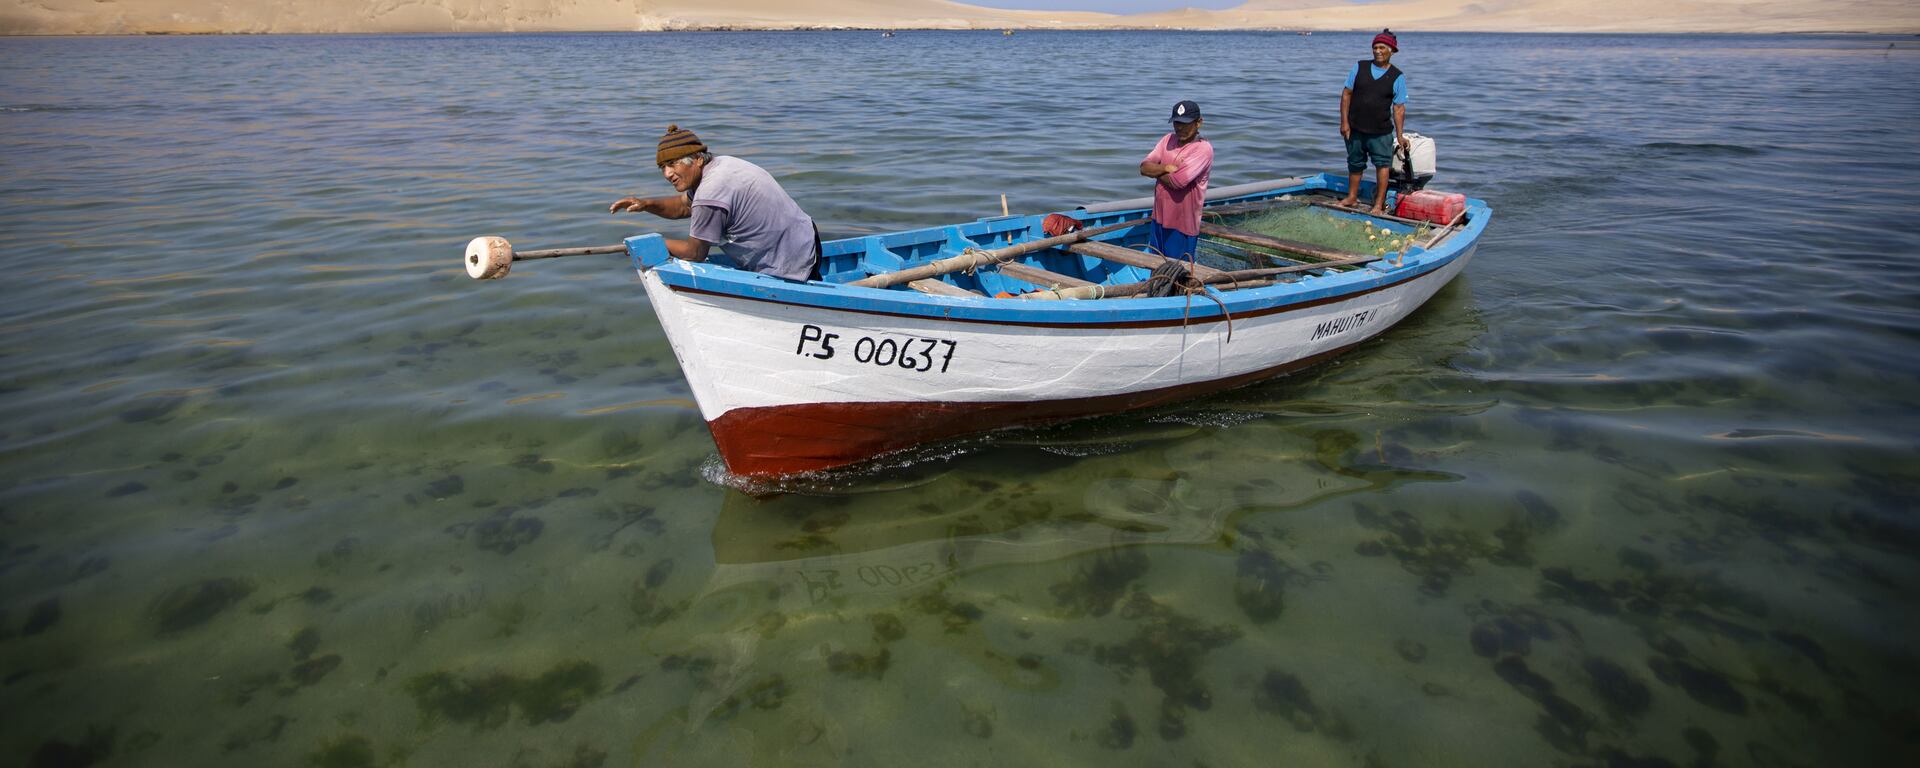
(1370, 110)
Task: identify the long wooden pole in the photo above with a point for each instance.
(554, 253)
(973, 259)
(1289, 246)
(1239, 277)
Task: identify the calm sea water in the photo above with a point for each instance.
(279, 485)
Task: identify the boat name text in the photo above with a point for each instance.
(1342, 324)
(910, 352)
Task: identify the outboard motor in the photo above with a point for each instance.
(1413, 164)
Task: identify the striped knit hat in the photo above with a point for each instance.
(677, 144)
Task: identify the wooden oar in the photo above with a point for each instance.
(1238, 277)
(489, 258)
(974, 259)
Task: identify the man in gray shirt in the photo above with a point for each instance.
(733, 203)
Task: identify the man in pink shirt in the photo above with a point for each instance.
(1180, 165)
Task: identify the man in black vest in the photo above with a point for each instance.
(1373, 117)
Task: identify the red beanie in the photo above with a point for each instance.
(1386, 36)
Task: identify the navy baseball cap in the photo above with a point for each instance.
(1185, 112)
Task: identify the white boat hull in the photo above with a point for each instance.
(790, 387)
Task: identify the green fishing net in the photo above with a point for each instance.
(1315, 226)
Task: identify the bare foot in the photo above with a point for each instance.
(1377, 209)
(1345, 202)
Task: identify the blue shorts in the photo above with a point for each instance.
(1173, 243)
(1360, 145)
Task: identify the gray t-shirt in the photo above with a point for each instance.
(740, 206)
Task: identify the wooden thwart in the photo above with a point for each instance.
(975, 259)
(936, 287)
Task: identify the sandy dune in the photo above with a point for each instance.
(322, 16)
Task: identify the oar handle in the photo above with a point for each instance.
(490, 257)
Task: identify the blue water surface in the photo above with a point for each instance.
(280, 485)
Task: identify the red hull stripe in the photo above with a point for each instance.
(1199, 304)
(781, 440)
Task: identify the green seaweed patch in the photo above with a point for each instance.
(1639, 560)
(1260, 585)
(647, 602)
(1806, 646)
(1615, 758)
(858, 666)
(1562, 586)
(1802, 704)
(1281, 693)
(504, 535)
(628, 515)
(1436, 556)
(350, 751)
(1653, 593)
(94, 748)
(268, 730)
(558, 692)
(955, 617)
(304, 643)
(1097, 586)
(585, 756)
(1412, 651)
(767, 693)
(887, 628)
(192, 605)
(1171, 647)
(1507, 631)
(45, 614)
(314, 670)
(486, 701)
(1702, 684)
(1120, 729)
(977, 723)
(1562, 723)
(1623, 695)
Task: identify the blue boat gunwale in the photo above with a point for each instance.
(878, 252)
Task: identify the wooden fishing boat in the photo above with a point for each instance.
(899, 345)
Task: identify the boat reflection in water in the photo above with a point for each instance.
(824, 557)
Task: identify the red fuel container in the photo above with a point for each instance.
(1429, 205)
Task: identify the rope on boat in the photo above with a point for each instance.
(1172, 276)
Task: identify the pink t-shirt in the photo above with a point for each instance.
(1177, 197)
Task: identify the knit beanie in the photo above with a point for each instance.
(1385, 36)
(677, 144)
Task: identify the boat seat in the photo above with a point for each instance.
(938, 287)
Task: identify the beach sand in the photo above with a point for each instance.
(57, 17)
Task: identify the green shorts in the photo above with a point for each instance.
(1361, 145)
